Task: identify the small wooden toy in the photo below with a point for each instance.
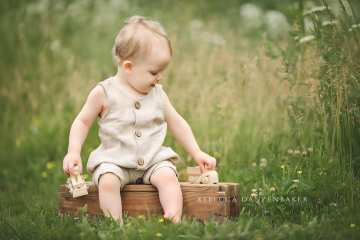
(195, 176)
(76, 184)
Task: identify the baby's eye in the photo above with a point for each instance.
(153, 73)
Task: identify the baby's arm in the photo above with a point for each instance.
(93, 106)
(184, 135)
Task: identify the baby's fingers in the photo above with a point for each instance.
(211, 163)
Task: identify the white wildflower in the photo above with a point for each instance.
(333, 204)
(299, 172)
(254, 164)
(263, 162)
(282, 166)
(290, 151)
(297, 152)
(304, 153)
(317, 9)
(306, 39)
(272, 189)
(310, 149)
(354, 26)
(296, 180)
(254, 190)
(253, 195)
(329, 23)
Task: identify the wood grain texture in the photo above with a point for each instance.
(200, 201)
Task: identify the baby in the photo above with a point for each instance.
(134, 113)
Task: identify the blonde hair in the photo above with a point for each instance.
(131, 43)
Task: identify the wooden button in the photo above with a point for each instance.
(137, 133)
(140, 161)
(137, 105)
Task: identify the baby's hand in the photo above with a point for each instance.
(72, 160)
(205, 161)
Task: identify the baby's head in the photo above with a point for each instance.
(142, 51)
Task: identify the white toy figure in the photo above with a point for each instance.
(76, 184)
(195, 176)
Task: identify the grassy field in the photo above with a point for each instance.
(280, 114)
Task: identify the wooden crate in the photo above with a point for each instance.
(200, 201)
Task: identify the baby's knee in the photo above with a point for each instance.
(164, 174)
(109, 182)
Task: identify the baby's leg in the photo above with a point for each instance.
(165, 180)
(109, 196)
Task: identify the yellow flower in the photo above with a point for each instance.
(141, 217)
(50, 165)
(299, 172)
(282, 166)
(161, 220)
(44, 174)
(158, 234)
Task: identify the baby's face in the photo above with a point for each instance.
(147, 72)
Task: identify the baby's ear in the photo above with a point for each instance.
(127, 66)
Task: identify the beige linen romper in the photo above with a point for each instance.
(131, 132)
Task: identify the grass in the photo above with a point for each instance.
(279, 116)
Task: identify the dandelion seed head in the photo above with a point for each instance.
(276, 24)
(251, 15)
